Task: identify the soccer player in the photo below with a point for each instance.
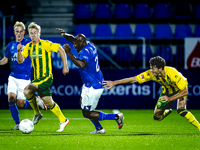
(19, 77)
(92, 77)
(174, 87)
(39, 52)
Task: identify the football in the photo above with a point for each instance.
(26, 126)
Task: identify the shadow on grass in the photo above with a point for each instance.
(40, 133)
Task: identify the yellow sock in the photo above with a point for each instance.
(56, 110)
(191, 119)
(32, 101)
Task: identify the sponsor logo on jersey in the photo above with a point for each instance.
(142, 76)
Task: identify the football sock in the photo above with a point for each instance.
(97, 124)
(14, 111)
(26, 104)
(189, 117)
(34, 105)
(105, 116)
(56, 110)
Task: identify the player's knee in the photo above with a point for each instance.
(85, 113)
(157, 118)
(11, 99)
(28, 94)
(182, 112)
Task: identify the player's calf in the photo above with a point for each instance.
(182, 112)
(189, 117)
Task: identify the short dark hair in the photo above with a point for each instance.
(157, 61)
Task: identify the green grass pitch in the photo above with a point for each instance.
(139, 132)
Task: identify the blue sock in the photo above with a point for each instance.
(14, 112)
(105, 116)
(26, 104)
(97, 125)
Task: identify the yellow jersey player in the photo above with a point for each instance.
(174, 87)
(40, 53)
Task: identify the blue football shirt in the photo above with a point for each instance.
(91, 75)
(19, 71)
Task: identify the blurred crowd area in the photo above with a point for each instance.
(122, 29)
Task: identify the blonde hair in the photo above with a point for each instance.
(19, 24)
(33, 25)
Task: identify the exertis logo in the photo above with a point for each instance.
(194, 58)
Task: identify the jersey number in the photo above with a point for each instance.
(97, 64)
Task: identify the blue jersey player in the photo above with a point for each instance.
(92, 79)
(20, 75)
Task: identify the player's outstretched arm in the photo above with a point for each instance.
(64, 60)
(111, 84)
(20, 58)
(67, 36)
(4, 61)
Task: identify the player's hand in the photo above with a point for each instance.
(19, 47)
(164, 98)
(65, 71)
(67, 48)
(109, 84)
(62, 32)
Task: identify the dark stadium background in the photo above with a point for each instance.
(123, 30)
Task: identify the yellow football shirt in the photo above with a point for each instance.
(172, 83)
(40, 55)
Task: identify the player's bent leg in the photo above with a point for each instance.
(57, 111)
(93, 116)
(182, 111)
(13, 109)
(117, 117)
(189, 117)
(29, 91)
(34, 105)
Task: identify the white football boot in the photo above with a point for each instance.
(36, 118)
(63, 125)
(120, 120)
(102, 131)
(41, 103)
(16, 127)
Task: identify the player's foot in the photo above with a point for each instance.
(41, 103)
(16, 127)
(63, 125)
(102, 131)
(168, 111)
(36, 118)
(165, 114)
(120, 120)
